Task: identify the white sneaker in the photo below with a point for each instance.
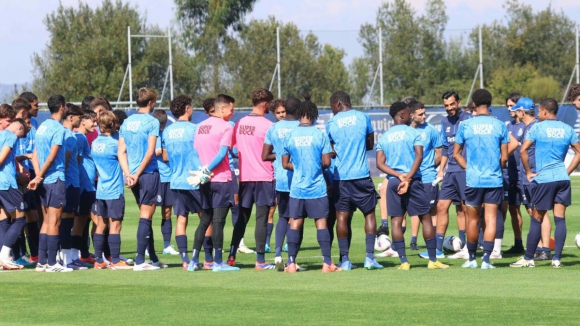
(485, 265)
(170, 251)
(300, 269)
(244, 249)
(40, 267)
(462, 254)
(144, 267)
(127, 260)
(9, 265)
(159, 264)
(522, 262)
(556, 263)
(58, 268)
(387, 253)
(495, 255)
(469, 264)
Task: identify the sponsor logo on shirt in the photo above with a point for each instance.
(346, 121)
(396, 136)
(423, 135)
(555, 132)
(99, 148)
(303, 141)
(204, 130)
(482, 129)
(133, 125)
(451, 140)
(282, 132)
(246, 130)
(448, 129)
(520, 132)
(175, 133)
(41, 130)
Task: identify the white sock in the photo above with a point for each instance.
(497, 245)
(5, 253)
(242, 242)
(75, 254)
(66, 257)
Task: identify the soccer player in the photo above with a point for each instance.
(121, 116)
(307, 152)
(574, 95)
(167, 197)
(33, 112)
(272, 151)
(515, 187)
(351, 135)
(110, 201)
(485, 140)
(178, 142)
(137, 139)
(278, 108)
(71, 120)
(432, 144)
(256, 176)
(11, 198)
(7, 114)
(552, 191)
(213, 140)
(49, 163)
(453, 176)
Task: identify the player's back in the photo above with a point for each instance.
(398, 144)
(276, 137)
(48, 134)
(431, 139)
(552, 139)
(178, 140)
(104, 153)
(305, 145)
(348, 131)
(87, 169)
(135, 131)
(164, 169)
(249, 135)
(8, 167)
(72, 168)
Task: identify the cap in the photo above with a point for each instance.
(525, 103)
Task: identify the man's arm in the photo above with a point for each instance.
(151, 141)
(417, 162)
(504, 155)
(286, 164)
(123, 162)
(512, 145)
(576, 160)
(268, 153)
(438, 157)
(370, 142)
(4, 153)
(526, 159)
(457, 149)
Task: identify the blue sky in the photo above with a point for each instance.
(334, 21)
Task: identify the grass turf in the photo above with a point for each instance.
(541, 295)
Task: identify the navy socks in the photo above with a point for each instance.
(181, 241)
(166, 230)
(115, 247)
(142, 240)
(400, 248)
(98, 242)
(559, 236)
(323, 237)
(431, 245)
(534, 235)
(439, 241)
(370, 245)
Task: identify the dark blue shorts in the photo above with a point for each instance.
(30, 199)
(312, 208)
(262, 193)
(188, 201)
(478, 196)
(167, 196)
(73, 197)
(545, 195)
(432, 194)
(88, 198)
(12, 199)
(515, 193)
(52, 194)
(283, 203)
(111, 208)
(235, 184)
(348, 195)
(415, 201)
(453, 186)
(147, 191)
(218, 194)
(528, 191)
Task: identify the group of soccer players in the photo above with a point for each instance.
(72, 169)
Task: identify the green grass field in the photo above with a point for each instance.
(541, 295)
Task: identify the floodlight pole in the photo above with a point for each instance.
(130, 72)
(170, 64)
(576, 69)
(381, 62)
(278, 61)
(480, 59)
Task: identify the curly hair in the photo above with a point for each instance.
(307, 109)
(574, 92)
(178, 105)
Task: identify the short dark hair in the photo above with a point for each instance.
(121, 115)
(279, 102)
(145, 95)
(88, 114)
(72, 109)
(396, 108)
(20, 121)
(574, 92)
(514, 97)
(307, 109)
(224, 98)
(7, 111)
(450, 93)
(415, 105)
(178, 105)
(29, 96)
(340, 96)
(55, 102)
(21, 104)
(261, 95)
(160, 115)
(531, 112)
(87, 102)
(408, 100)
(292, 104)
(208, 103)
(100, 101)
(481, 97)
(549, 104)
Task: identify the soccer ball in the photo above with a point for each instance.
(577, 240)
(382, 242)
(452, 244)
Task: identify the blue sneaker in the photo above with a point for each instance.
(23, 262)
(285, 249)
(193, 266)
(372, 264)
(267, 249)
(485, 265)
(76, 265)
(223, 267)
(470, 264)
(438, 254)
(346, 265)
